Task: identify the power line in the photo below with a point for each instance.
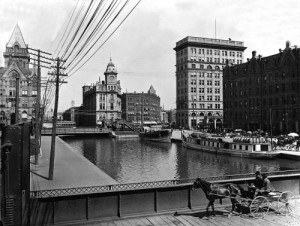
(105, 40)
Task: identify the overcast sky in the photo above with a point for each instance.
(142, 48)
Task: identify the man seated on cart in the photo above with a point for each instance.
(266, 186)
(256, 186)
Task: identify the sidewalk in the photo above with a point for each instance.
(70, 169)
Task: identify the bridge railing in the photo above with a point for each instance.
(91, 204)
(153, 184)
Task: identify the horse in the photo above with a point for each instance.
(217, 191)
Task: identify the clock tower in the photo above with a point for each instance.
(111, 74)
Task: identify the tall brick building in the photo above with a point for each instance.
(263, 93)
(199, 83)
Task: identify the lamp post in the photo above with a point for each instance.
(193, 121)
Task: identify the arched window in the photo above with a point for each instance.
(16, 48)
(217, 68)
(202, 114)
(209, 114)
(209, 67)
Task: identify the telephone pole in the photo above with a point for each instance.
(38, 119)
(57, 82)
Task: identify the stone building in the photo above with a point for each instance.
(263, 93)
(17, 82)
(199, 83)
(101, 104)
(140, 108)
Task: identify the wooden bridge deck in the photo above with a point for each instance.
(198, 219)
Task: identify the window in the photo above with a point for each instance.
(201, 98)
(24, 93)
(217, 83)
(217, 90)
(209, 98)
(201, 82)
(209, 90)
(193, 66)
(209, 82)
(201, 90)
(111, 106)
(34, 93)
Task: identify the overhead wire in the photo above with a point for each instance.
(90, 22)
(65, 30)
(105, 40)
(72, 45)
(99, 25)
(78, 28)
(71, 28)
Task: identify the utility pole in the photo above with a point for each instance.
(57, 82)
(17, 98)
(38, 118)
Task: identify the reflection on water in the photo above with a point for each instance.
(132, 160)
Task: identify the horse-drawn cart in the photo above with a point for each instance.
(244, 201)
(280, 202)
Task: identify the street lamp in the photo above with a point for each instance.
(193, 121)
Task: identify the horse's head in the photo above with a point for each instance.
(200, 183)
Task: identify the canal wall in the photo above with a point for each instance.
(71, 170)
(65, 207)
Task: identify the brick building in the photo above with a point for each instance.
(263, 93)
(142, 107)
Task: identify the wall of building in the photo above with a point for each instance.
(263, 93)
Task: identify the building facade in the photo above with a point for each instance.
(18, 82)
(263, 93)
(140, 108)
(199, 79)
(102, 101)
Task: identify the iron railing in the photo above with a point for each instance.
(152, 184)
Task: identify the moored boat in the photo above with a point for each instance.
(156, 133)
(238, 146)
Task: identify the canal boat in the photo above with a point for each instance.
(155, 133)
(257, 148)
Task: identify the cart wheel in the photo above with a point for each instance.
(286, 203)
(259, 207)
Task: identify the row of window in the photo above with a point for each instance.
(208, 82)
(215, 60)
(208, 106)
(201, 90)
(202, 75)
(215, 52)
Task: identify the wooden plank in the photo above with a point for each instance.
(196, 220)
(183, 221)
(166, 220)
(146, 222)
(175, 221)
(153, 220)
(161, 220)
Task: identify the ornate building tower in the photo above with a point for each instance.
(17, 82)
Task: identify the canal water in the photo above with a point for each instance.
(133, 160)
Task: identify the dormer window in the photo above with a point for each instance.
(16, 48)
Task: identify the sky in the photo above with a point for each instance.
(142, 48)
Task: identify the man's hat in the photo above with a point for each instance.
(257, 173)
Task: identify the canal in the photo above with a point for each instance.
(133, 160)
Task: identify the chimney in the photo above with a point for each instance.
(287, 44)
(253, 54)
